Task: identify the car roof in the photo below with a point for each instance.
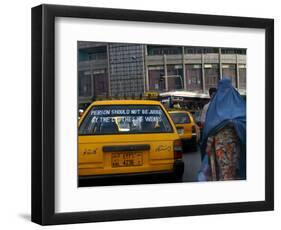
(126, 102)
(178, 111)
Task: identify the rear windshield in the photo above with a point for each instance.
(196, 116)
(126, 119)
(180, 118)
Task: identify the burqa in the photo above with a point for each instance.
(227, 107)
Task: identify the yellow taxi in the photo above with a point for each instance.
(187, 128)
(127, 137)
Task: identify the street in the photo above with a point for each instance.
(192, 162)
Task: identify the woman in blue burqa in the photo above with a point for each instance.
(224, 135)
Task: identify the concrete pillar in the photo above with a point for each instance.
(92, 80)
(108, 70)
(183, 70)
(220, 64)
(237, 72)
(146, 79)
(203, 73)
(165, 72)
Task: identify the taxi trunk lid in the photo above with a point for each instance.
(108, 154)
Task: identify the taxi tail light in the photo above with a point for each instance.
(177, 149)
(81, 111)
(200, 125)
(193, 129)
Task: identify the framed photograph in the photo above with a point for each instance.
(145, 114)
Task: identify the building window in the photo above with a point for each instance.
(175, 77)
(156, 78)
(229, 71)
(211, 76)
(83, 56)
(233, 51)
(193, 74)
(161, 50)
(100, 83)
(200, 50)
(242, 76)
(97, 56)
(84, 84)
(93, 53)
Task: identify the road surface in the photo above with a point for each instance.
(192, 162)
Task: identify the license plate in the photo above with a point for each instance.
(126, 159)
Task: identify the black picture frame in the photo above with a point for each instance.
(43, 114)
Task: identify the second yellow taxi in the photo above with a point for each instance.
(187, 128)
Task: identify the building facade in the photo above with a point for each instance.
(193, 69)
(129, 70)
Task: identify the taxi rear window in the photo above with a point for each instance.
(180, 118)
(125, 119)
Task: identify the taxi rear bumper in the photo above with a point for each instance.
(173, 175)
